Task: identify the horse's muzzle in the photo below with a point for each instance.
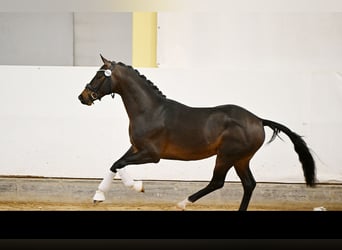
(83, 101)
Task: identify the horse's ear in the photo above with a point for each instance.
(104, 60)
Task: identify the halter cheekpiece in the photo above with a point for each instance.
(107, 73)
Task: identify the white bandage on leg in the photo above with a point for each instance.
(138, 186)
(107, 182)
(183, 204)
(104, 187)
(99, 196)
(128, 181)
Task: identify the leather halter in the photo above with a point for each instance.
(108, 74)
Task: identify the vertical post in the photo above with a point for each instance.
(144, 47)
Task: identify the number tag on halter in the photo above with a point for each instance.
(108, 72)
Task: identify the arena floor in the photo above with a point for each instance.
(59, 206)
(58, 194)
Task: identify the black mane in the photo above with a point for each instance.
(144, 78)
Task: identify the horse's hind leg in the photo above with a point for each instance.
(243, 171)
(217, 182)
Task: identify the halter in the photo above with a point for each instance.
(107, 73)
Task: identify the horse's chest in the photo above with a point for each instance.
(145, 131)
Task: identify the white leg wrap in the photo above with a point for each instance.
(138, 186)
(99, 196)
(104, 187)
(106, 182)
(128, 181)
(183, 204)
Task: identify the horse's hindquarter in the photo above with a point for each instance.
(198, 133)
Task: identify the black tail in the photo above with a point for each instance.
(300, 147)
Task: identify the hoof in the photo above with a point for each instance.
(181, 205)
(319, 209)
(138, 186)
(99, 197)
(97, 202)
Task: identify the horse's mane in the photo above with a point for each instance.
(144, 78)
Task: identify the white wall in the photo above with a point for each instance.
(36, 38)
(64, 39)
(284, 66)
(109, 33)
(263, 40)
(46, 131)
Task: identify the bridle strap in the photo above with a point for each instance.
(107, 73)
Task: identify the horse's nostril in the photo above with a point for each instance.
(81, 99)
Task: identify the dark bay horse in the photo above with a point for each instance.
(161, 128)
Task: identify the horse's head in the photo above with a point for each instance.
(103, 83)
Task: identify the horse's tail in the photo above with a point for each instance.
(300, 147)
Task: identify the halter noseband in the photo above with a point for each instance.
(107, 73)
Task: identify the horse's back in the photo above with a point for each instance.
(199, 132)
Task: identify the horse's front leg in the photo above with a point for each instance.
(130, 157)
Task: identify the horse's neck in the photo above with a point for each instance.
(138, 97)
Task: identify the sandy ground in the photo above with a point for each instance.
(49, 206)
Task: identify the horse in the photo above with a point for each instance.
(162, 128)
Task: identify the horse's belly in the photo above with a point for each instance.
(188, 152)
